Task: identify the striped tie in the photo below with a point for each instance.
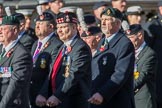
(37, 50)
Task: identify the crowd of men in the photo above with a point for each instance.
(108, 59)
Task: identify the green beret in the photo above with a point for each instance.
(10, 20)
(109, 11)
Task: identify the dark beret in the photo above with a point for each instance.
(89, 19)
(109, 11)
(10, 20)
(46, 16)
(134, 29)
(67, 17)
(19, 16)
(92, 31)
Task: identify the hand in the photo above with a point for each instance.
(40, 101)
(52, 101)
(96, 99)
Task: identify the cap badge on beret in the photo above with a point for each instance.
(67, 18)
(41, 17)
(108, 12)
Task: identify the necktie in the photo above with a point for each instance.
(56, 67)
(2, 54)
(37, 50)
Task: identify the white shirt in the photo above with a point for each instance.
(140, 49)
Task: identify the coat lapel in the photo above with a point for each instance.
(110, 44)
(141, 54)
(5, 58)
(45, 48)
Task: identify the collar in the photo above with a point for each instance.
(67, 43)
(111, 37)
(140, 48)
(10, 46)
(45, 39)
(21, 34)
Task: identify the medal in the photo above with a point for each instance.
(136, 73)
(43, 63)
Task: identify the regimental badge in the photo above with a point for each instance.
(104, 60)
(136, 73)
(67, 18)
(41, 17)
(108, 12)
(43, 63)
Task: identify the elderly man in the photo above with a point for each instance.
(70, 77)
(145, 69)
(112, 65)
(43, 51)
(15, 67)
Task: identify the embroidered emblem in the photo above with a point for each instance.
(41, 17)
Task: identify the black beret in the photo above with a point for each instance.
(89, 19)
(99, 4)
(10, 20)
(46, 16)
(92, 31)
(19, 16)
(134, 29)
(109, 11)
(67, 17)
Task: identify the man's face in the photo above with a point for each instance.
(41, 28)
(108, 24)
(56, 5)
(119, 4)
(8, 34)
(1, 36)
(136, 39)
(91, 41)
(134, 19)
(66, 31)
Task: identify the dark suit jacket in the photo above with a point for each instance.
(115, 67)
(74, 90)
(41, 65)
(145, 83)
(155, 41)
(27, 40)
(14, 90)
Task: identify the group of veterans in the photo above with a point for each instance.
(71, 60)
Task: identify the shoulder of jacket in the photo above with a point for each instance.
(153, 18)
